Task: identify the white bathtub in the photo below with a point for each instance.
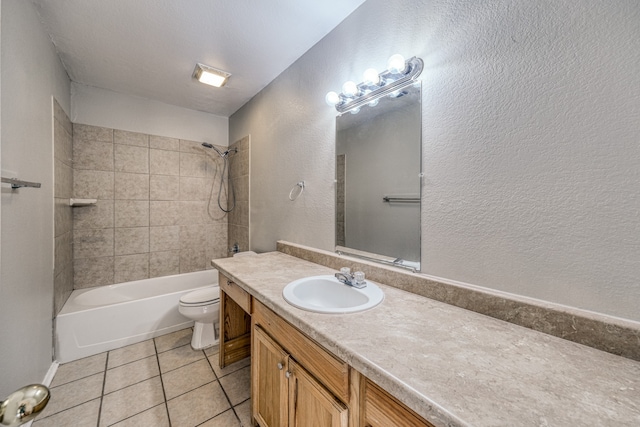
(100, 319)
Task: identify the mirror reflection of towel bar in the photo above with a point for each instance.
(391, 199)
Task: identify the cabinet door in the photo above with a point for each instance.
(310, 404)
(269, 388)
(383, 410)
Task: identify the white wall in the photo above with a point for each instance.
(101, 107)
(531, 153)
(31, 75)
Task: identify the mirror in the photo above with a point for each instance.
(378, 167)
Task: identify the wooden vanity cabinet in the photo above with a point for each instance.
(380, 409)
(286, 373)
(235, 322)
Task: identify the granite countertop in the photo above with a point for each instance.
(452, 366)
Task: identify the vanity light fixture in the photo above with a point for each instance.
(375, 85)
(210, 76)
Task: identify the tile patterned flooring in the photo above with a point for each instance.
(160, 382)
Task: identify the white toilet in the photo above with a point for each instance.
(203, 306)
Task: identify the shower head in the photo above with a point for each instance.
(222, 154)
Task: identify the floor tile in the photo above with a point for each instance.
(226, 419)
(73, 394)
(197, 406)
(85, 415)
(131, 373)
(130, 401)
(81, 368)
(237, 385)
(187, 378)
(230, 368)
(173, 340)
(244, 413)
(156, 417)
(178, 357)
(131, 353)
(210, 351)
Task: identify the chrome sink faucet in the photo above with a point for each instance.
(355, 280)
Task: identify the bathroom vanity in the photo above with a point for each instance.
(411, 361)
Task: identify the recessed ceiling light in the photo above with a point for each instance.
(210, 76)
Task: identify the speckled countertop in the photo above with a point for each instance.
(452, 366)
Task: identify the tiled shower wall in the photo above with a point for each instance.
(239, 178)
(153, 216)
(63, 189)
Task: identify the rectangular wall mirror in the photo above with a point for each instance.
(378, 169)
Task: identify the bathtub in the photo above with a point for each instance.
(108, 317)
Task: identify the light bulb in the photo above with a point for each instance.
(350, 89)
(373, 103)
(371, 77)
(396, 64)
(332, 99)
(355, 110)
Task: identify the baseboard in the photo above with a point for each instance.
(48, 378)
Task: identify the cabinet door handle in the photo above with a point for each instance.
(287, 374)
(280, 366)
(229, 283)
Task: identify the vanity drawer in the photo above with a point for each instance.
(329, 370)
(382, 410)
(235, 292)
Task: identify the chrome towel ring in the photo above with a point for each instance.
(299, 185)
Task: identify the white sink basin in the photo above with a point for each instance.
(325, 294)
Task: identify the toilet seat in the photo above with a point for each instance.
(206, 296)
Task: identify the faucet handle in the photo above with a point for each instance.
(359, 277)
(346, 271)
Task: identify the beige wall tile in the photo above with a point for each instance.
(92, 133)
(92, 243)
(63, 252)
(60, 115)
(195, 212)
(193, 165)
(99, 215)
(62, 143)
(89, 272)
(241, 188)
(130, 138)
(131, 267)
(131, 186)
(63, 216)
(131, 213)
(164, 143)
(164, 263)
(164, 238)
(63, 176)
(193, 259)
(162, 162)
(133, 240)
(164, 213)
(239, 164)
(94, 155)
(130, 158)
(62, 288)
(193, 147)
(194, 188)
(93, 184)
(240, 214)
(162, 187)
(193, 236)
(239, 235)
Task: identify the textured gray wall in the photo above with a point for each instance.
(531, 117)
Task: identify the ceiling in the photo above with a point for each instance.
(149, 48)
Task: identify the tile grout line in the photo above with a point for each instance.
(164, 394)
(104, 382)
(223, 390)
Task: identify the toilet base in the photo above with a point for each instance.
(204, 336)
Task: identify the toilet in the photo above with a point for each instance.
(202, 306)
